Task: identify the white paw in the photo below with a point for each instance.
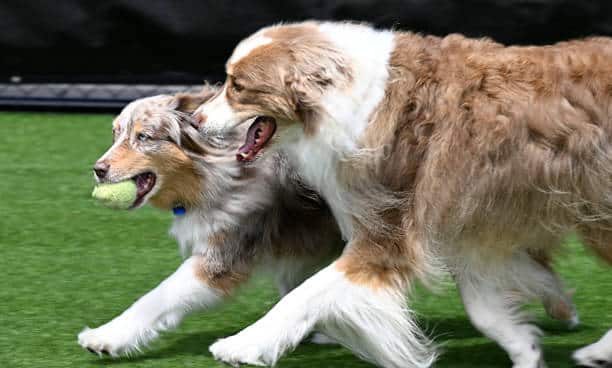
(596, 355)
(240, 349)
(532, 359)
(321, 339)
(538, 364)
(110, 340)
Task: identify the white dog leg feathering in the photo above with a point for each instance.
(491, 312)
(374, 324)
(161, 309)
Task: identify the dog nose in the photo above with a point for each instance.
(101, 169)
(198, 120)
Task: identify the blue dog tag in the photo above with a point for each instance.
(179, 211)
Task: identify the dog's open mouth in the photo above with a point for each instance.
(258, 136)
(144, 184)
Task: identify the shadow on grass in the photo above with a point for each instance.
(190, 344)
(196, 344)
(449, 328)
(457, 351)
(473, 350)
(489, 354)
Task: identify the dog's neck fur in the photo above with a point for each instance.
(229, 192)
(252, 212)
(350, 112)
(343, 119)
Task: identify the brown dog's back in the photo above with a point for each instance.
(509, 146)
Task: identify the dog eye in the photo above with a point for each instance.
(237, 87)
(142, 137)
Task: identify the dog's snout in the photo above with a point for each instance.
(198, 120)
(101, 169)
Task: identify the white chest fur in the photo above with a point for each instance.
(368, 51)
(192, 231)
(346, 113)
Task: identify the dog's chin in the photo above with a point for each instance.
(258, 137)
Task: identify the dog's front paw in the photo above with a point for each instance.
(109, 340)
(591, 359)
(538, 364)
(239, 349)
(596, 355)
(529, 358)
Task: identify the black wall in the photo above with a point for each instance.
(153, 41)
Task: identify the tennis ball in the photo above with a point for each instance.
(119, 196)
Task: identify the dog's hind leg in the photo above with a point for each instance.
(557, 301)
(188, 289)
(357, 303)
(597, 237)
(492, 295)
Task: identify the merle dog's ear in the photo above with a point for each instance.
(190, 141)
(189, 102)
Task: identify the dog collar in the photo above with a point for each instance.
(179, 211)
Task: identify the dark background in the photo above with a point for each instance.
(185, 42)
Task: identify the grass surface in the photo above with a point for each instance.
(66, 263)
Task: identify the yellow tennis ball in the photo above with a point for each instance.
(119, 196)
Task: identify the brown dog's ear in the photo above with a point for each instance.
(189, 102)
(316, 67)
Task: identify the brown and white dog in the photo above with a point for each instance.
(431, 152)
(237, 217)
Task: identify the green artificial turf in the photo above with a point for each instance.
(66, 263)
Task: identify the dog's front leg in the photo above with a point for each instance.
(189, 288)
(371, 319)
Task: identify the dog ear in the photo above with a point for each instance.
(189, 102)
(190, 142)
(315, 68)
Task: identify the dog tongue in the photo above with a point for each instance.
(258, 135)
(144, 182)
